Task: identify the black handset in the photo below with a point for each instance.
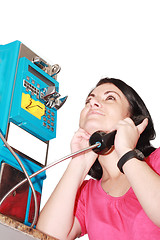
(106, 140)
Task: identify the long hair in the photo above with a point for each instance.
(137, 108)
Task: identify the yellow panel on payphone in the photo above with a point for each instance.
(36, 108)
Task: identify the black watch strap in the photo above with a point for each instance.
(129, 155)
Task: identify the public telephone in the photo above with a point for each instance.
(29, 100)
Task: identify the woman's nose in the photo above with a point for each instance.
(94, 102)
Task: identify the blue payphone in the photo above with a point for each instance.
(29, 100)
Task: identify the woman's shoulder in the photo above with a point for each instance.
(153, 160)
(86, 188)
(89, 184)
(154, 154)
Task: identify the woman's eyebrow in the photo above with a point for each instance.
(107, 92)
(91, 95)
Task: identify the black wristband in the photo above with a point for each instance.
(129, 155)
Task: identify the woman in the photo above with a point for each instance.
(124, 200)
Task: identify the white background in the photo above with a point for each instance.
(89, 39)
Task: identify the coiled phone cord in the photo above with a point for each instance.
(27, 179)
(96, 145)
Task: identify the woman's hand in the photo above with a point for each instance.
(79, 141)
(59, 209)
(127, 135)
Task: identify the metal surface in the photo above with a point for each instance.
(14, 230)
(52, 98)
(9, 177)
(8, 233)
(52, 70)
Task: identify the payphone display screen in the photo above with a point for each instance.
(40, 76)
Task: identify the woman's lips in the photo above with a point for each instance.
(95, 112)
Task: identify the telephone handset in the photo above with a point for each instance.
(106, 140)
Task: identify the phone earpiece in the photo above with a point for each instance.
(138, 119)
(106, 140)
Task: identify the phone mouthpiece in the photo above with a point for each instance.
(106, 141)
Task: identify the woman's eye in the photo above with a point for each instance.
(110, 97)
(87, 101)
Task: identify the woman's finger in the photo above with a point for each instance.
(141, 127)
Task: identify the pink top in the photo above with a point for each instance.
(104, 217)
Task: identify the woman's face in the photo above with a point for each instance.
(104, 107)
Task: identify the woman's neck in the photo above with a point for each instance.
(113, 181)
(109, 164)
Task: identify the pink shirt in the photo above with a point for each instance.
(104, 217)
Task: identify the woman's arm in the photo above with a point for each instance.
(57, 217)
(146, 185)
(144, 181)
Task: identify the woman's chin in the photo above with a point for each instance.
(92, 128)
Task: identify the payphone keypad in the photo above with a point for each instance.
(33, 88)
